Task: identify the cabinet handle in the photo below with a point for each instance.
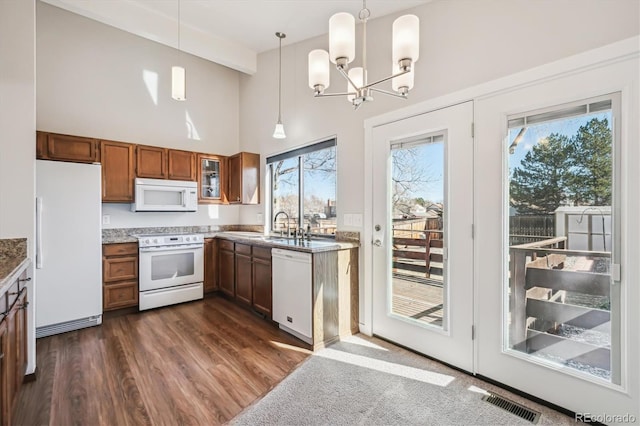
(24, 280)
(1, 355)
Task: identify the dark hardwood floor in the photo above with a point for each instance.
(195, 363)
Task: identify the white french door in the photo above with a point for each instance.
(423, 248)
(554, 310)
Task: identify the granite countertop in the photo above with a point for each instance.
(13, 258)
(248, 234)
(312, 246)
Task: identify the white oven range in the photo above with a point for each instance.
(171, 269)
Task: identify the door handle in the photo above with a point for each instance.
(377, 243)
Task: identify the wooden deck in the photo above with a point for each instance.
(418, 298)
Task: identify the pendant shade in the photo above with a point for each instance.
(357, 76)
(404, 81)
(178, 84)
(318, 68)
(342, 37)
(278, 132)
(406, 33)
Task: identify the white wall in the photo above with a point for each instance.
(95, 80)
(17, 133)
(121, 216)
(463, 43)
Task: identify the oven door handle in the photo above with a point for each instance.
(171, 248)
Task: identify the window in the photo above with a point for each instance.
(303, 186)
(563, 243)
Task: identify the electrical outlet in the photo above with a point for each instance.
(357, 220)
(348, 219)
(106, 219)
(260, 217)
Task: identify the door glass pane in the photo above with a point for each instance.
(418, 284)
(561, 240)
(320, 191)
(285, 181)
(169, 266)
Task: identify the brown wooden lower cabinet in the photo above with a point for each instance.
(227, 274)
(262, 285)
(13, 344)
(119, 276)
(210, 265)
(244, 279)
(245, 274)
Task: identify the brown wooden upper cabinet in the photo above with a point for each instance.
(53, 146)
(181, 165)
(211, 179)
(151, 162)
(244, 178)
(118, 171)
(162, 163)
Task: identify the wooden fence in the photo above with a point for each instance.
(527, 229)
(538, 283)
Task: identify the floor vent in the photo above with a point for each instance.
(512, 407)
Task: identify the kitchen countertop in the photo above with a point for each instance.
(125, 235)
(313, 246)
(13, 258)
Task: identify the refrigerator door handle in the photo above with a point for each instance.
(39, 233)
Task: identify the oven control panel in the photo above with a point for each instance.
(164, 240)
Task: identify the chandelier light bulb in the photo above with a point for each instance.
(342, 37)
(318, 68)
(357, 76)
(406, 36)
(404, 82)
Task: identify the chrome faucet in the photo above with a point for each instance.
(287, 216)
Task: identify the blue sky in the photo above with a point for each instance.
(535, 133)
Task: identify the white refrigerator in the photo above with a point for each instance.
(68, 276)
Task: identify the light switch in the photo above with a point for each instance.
(357, 220)
(348, 219)
(259, 217)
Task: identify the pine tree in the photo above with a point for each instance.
(538, 185)
(561, 170)
(591, 164)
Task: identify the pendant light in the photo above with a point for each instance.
(278, 133)
(178, 74)
(342, 51)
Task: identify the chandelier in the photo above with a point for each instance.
(342, 47)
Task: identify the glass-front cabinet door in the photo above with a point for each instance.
(210, 178)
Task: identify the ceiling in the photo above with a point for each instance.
(228, 32)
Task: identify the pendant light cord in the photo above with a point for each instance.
(280, 81)
(280, 36)
(178, 24)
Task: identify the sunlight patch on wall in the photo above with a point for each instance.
(192, 132)
(151, 81)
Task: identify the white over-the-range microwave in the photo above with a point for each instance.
(160, 195)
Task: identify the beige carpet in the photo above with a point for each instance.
(367, 381)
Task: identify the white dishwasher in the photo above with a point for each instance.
(291, 274)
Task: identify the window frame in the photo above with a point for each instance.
(299, 154)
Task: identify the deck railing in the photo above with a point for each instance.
(539, 282)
